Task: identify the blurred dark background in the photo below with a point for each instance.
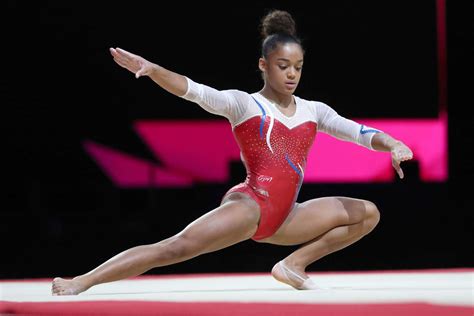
(61, 216)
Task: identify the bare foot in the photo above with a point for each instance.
(298, 280)
(61, 286)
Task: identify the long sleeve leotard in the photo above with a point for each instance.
(274, 147)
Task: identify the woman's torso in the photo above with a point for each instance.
(274, 147)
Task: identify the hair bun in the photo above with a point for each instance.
(278, 22)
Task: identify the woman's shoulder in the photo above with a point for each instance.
(309, 102)
(313, 105)
(239, 94)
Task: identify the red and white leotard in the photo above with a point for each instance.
(273, 146)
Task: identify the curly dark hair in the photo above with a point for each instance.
(277, 22)
(277, 27)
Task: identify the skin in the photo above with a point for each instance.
(282, 67)
(321, 226)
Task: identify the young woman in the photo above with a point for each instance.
(275, 131)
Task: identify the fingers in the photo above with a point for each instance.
(123, 56)
(399, 170)
(402, 153)
(120, 52)
(126, 60)
(121, 63)
(119, 57)
(406, 155)
(124, 52)
(403, 158)
(396, 159)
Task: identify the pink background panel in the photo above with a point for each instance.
(201, 151)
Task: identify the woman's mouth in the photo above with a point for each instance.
(290, 85)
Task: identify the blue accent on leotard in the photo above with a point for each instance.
(298, 171)
(264, 115)
(365, 131)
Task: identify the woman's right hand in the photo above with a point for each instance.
(134, 63)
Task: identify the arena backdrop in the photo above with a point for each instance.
(97, 161)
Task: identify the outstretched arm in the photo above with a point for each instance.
(228, 103)
(168, 80)
(334, 124)
(400, 152)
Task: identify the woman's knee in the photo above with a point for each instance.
(353, 211)
(176, 247)
(372, 214)
(350, 211)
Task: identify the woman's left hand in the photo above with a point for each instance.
(400, 152)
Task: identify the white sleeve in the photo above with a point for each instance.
(335, 125)
(228, 103)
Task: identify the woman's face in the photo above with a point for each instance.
(282, 69)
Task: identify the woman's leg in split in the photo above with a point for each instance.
(322, 226)
(235, 220)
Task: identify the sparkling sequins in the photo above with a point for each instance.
(272, 180)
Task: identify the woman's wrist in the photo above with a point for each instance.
(155, 70)
(393, 143)
(384, 142)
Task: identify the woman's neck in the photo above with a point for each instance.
(282, 100)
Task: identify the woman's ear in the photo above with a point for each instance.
(262, 64)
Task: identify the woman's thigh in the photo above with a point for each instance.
(235, 220)
(315, 217)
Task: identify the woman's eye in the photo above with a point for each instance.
(299, 68)
(282, 67)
